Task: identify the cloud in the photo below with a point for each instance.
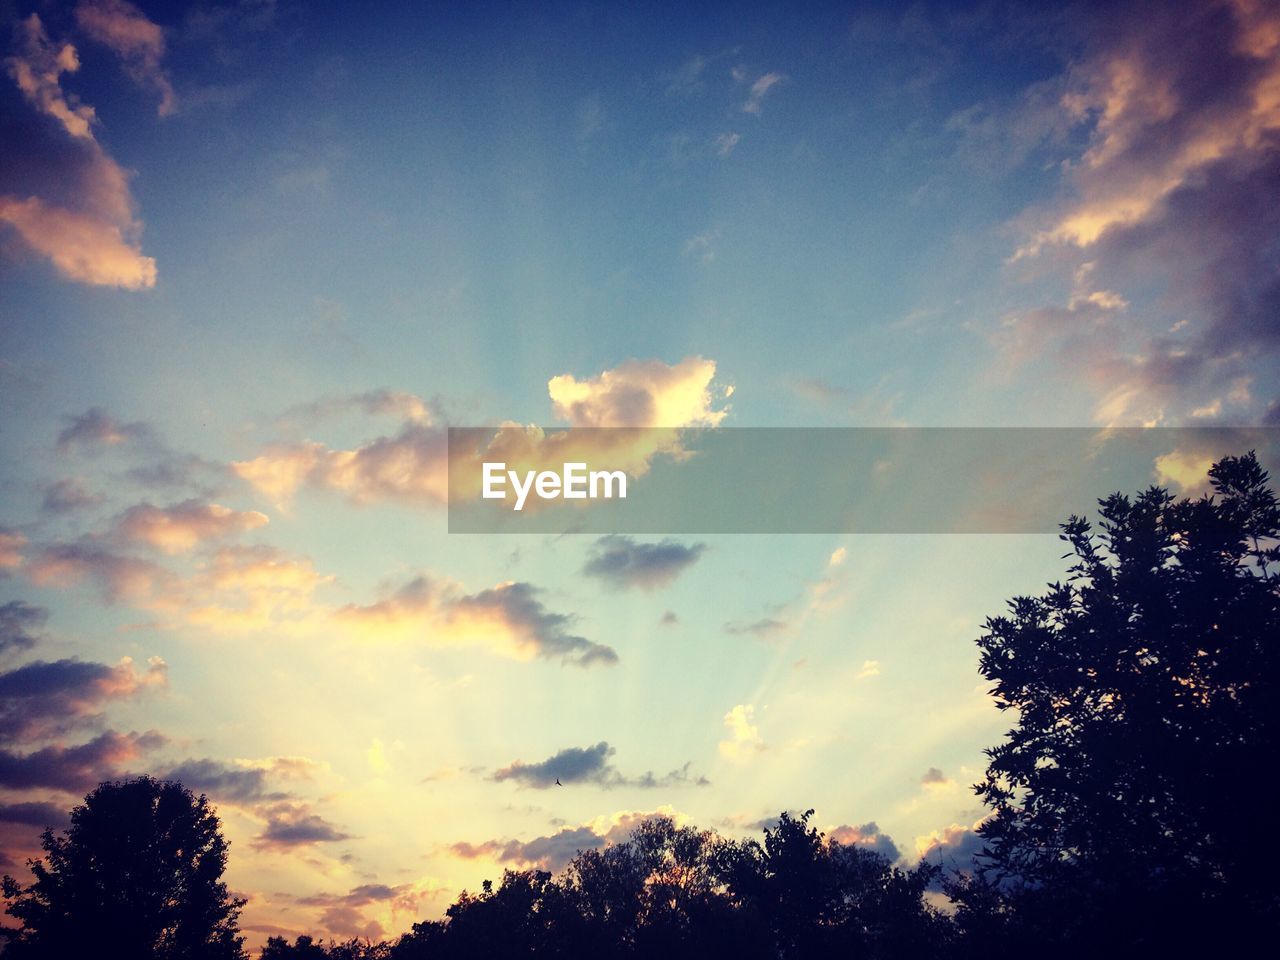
(179, 528)
(590, 765)
(766, 628)
(292, 825)
(762, 85)
(867, 836)
(1183, 135)
(35, 814)
(19, 622)
(11, 544)
(552, 852)
(935, 779)
(43, 697)
(75, 769)
(65, 496)
(411, 466)
(415, 465)
(117, 576)
(95, 427)
(139, 43)
(82, 247)
(342, 914)
(623, 564)
(956, 848)
(224, 782)
(743, 740)
(870, 668)
(38, 71)
(725, 143)
(508, 618)
(380, 402)
(64, 195)
(1186, 470)
(244, 588)
(640, 393)
(571, 765)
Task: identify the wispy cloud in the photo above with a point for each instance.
(139, 43)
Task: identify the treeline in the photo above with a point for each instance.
(1129, 812)
(674, 892)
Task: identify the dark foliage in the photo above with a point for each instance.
(1126, 799)
(138, 873)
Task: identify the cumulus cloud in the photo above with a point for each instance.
(640, 393)
(139, 43)
(1183, 136)
(955, 849)
(507, 617)
(19, 625)
(183, 526)
(76, 768)
(743, 738)
(867, 836)
(415, 465)
(63, 194)
(1187, 471)
(623, 563)
(410, 466)
(48, 697)
(292, 825)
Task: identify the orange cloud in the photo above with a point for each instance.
(654, 399)
(83, 247)
(90, 234)
(507, 618)
(181, 527)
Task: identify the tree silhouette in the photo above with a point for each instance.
(1146, 693)
(137, 875)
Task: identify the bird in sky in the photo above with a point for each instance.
(558, 783)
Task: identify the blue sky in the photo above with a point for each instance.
(255, 257)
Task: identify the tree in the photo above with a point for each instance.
(137, 874)
(1145, 689)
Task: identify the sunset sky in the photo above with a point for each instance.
(256, 257)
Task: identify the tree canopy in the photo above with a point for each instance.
(1145, 691)
(139, 870)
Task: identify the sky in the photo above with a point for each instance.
(256, 257)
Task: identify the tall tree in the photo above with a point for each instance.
(138, 874)
(1146, 694)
